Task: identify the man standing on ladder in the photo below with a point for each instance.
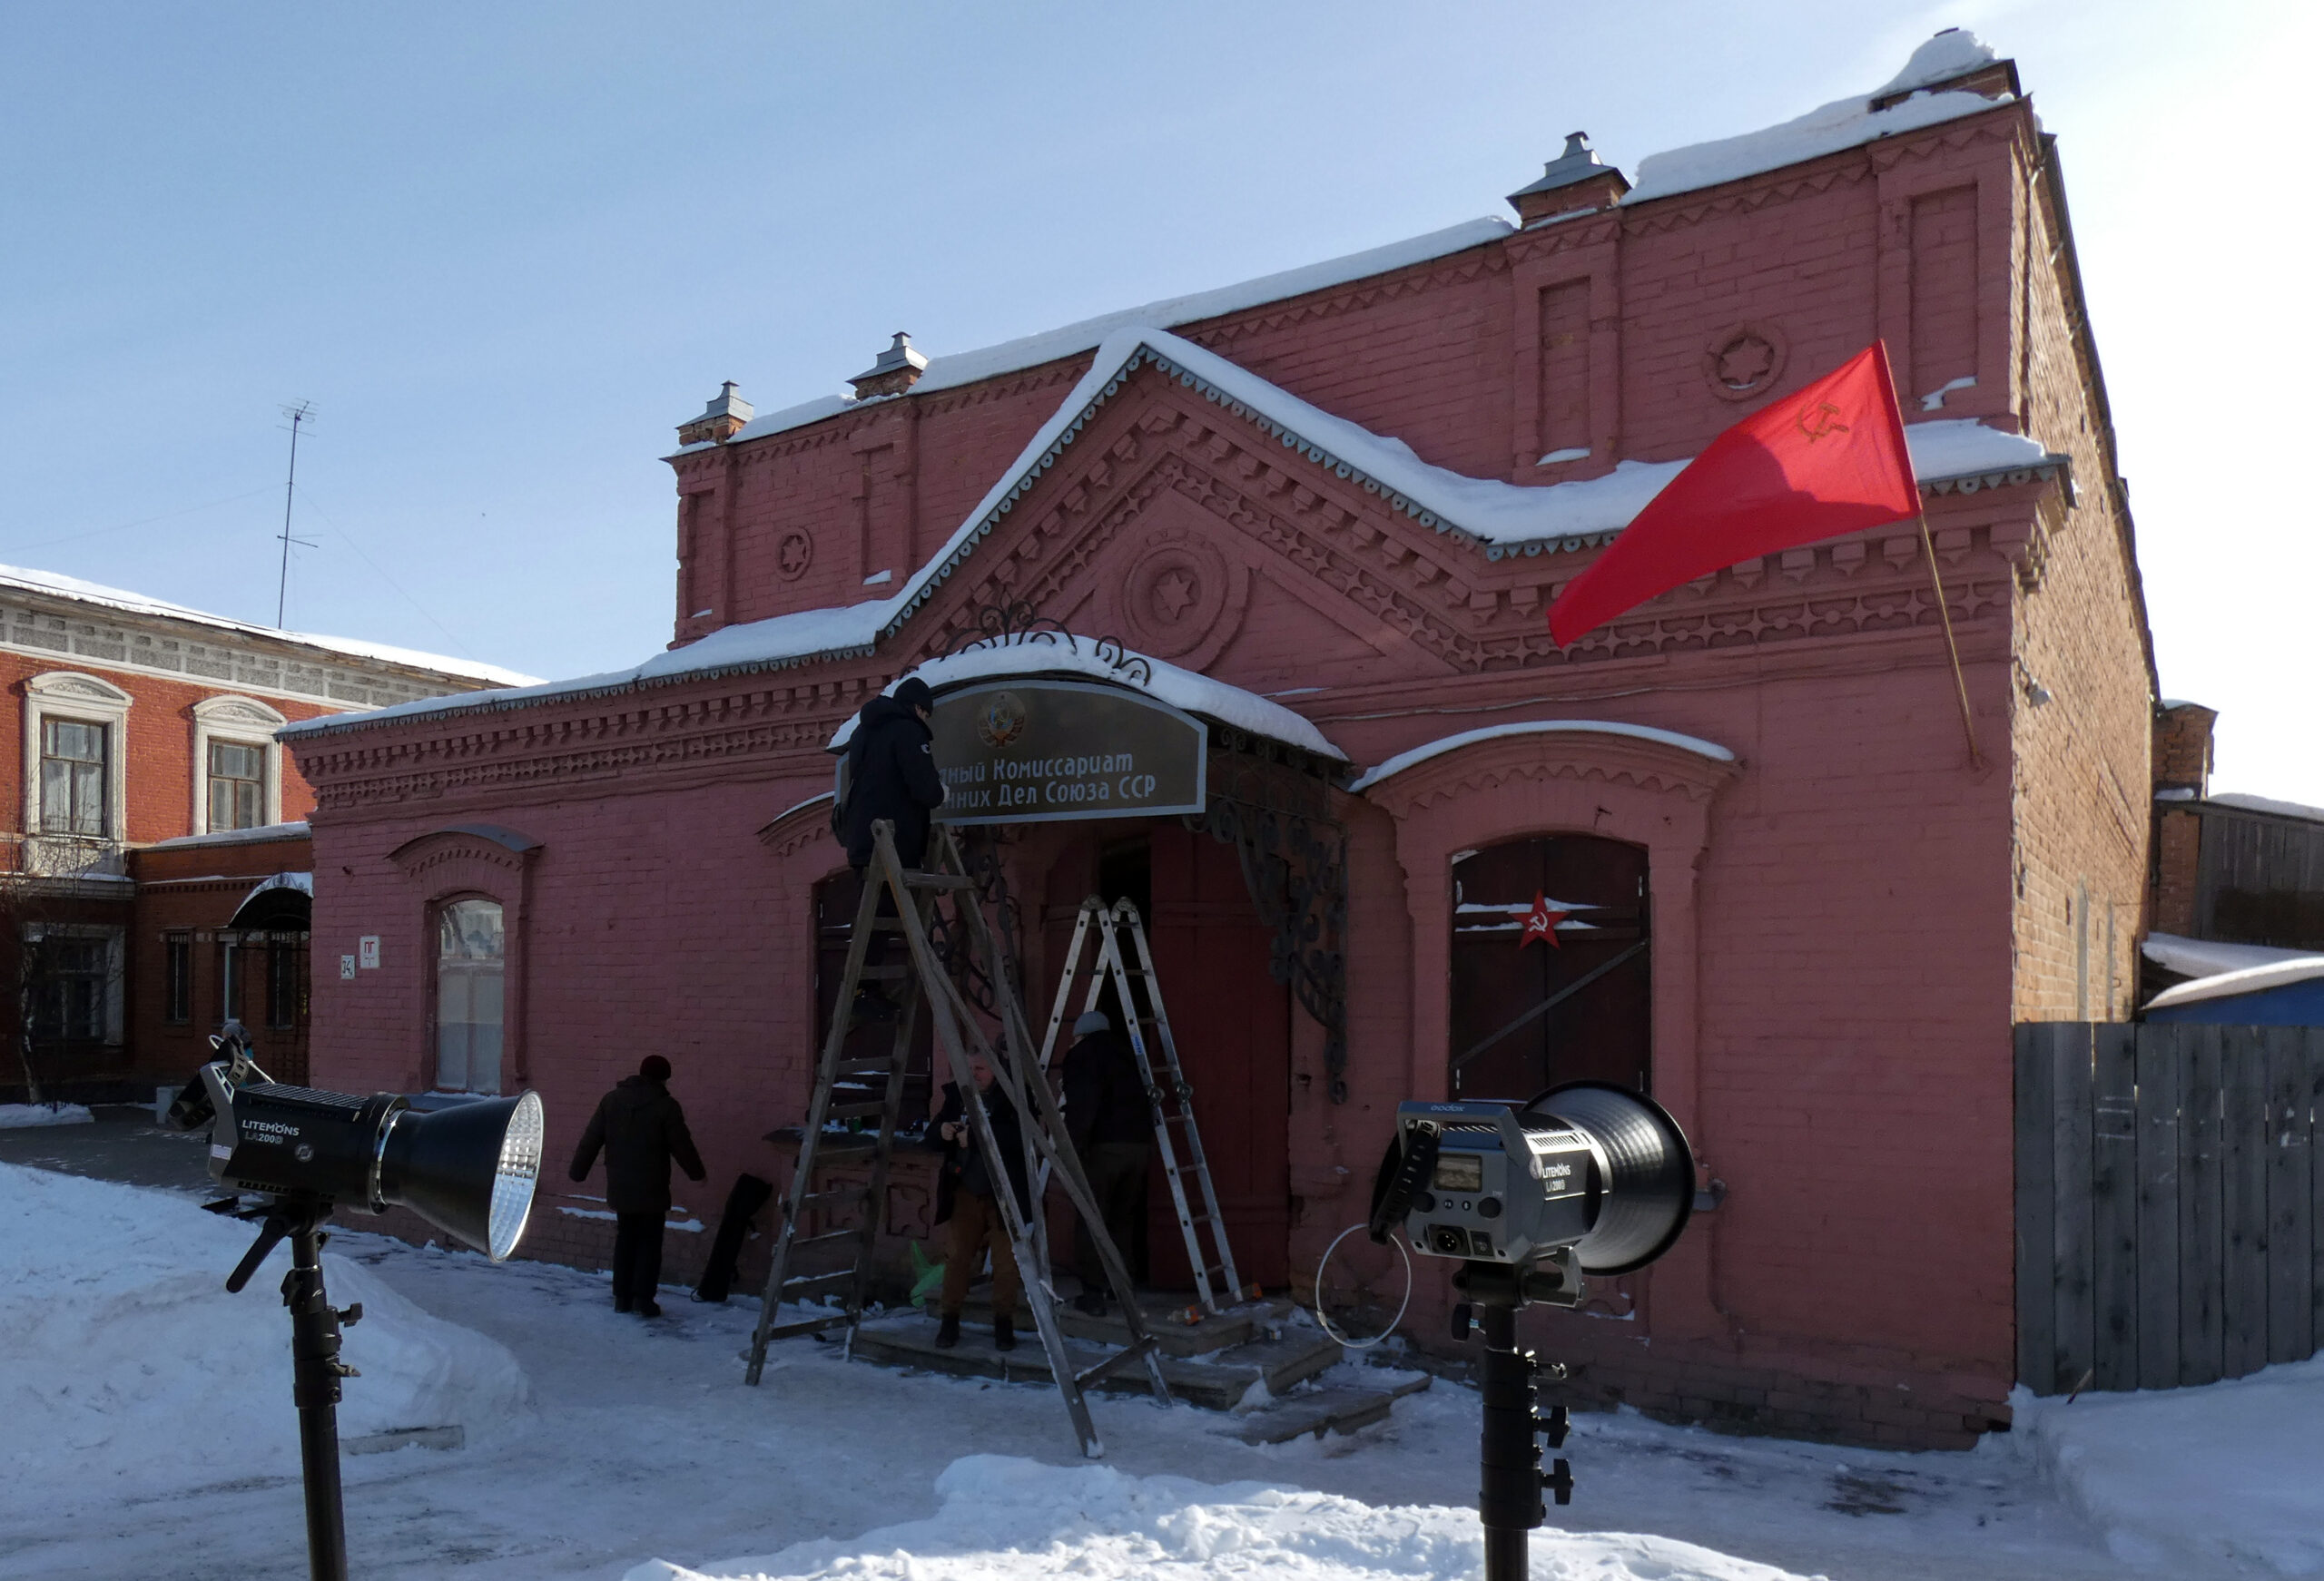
(891, 774)
(966, 1204)
(1111, 1122)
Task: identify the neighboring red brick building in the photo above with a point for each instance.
(143, 722)
(1353, 490)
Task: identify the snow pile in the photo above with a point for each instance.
(2190, 1479)
(2208, 958)
(24, 1116)
(2247, 980)
(1004, 1518)
(128, 1368)
(1843, 123)
(1179, 688)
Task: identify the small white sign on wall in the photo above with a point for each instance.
(347, 968)
(367, 949)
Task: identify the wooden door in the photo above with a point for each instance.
(1603, 1030)
(1232, 1022)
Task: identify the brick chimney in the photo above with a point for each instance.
(2183, 747)
(720, 421)
(1570, 183)
(898, 369)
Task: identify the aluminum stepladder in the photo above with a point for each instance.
(1168, 1094)
(1048, 1151)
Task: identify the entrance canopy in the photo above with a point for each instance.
(284, 903)
(1040, 726)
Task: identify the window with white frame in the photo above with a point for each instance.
(75, 727)
(471, 958)
(237, 767)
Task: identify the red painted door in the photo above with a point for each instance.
(1232, 1024)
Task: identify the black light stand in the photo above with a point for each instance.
(1509, 1496)
(316, 1367)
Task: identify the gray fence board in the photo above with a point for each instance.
(2157, 1215)
(2170, 1210)
(2244, 1208)
(2036, 1206)
(2114, 1205)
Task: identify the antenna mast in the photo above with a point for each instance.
(304, 412)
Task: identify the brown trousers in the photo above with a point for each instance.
(976, 1225)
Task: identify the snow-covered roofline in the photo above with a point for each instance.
(60, 586)
(2249, 980)
(1081, 658)
(1711, 751)
(1502, 519)
(260, 835)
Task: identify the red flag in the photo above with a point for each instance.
(1827, 461)
(1542, 923)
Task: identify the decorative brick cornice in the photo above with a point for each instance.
(1647, 765)
(1488, 258)
(474, 843)
(809, 824)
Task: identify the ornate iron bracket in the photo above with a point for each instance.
(1011, 625)
(1272, 802)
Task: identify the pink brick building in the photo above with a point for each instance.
(1352, 491)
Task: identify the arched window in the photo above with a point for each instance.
(1530, 1013)
(471, 955)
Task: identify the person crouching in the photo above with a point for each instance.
(967, 1206)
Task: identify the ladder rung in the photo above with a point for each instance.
(818, 1277)
(917, 880)
(826, 1235)
(846, 1194)
(866, 1068)
(855, 1110)
(883, 974)
(807, 1326)
(1113, 1363)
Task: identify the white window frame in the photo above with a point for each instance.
(116, 941)
(70, 694)
(244, 722)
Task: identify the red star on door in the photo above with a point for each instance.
(1542, 923)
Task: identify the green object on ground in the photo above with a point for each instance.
(926, 1276)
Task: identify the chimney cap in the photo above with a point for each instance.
(898, 369)
(1579, 162)
(721, 419)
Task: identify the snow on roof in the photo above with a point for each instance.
(1504, 518)
(2207, 957)
(72, 587)
(1644, 733)
(2266, 804)
(1033, 351)
(295, 830)
(2249, 980)
(1046, 654)
(1843, 123)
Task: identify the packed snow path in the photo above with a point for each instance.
(638, 1442)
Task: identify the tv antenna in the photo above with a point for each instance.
(299, 414)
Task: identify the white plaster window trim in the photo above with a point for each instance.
(116, 939)
(75, 695)
(241, 721)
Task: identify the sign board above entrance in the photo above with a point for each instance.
(1022, 750)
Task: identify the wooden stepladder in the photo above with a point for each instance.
(1139, 991)
(859, 1089)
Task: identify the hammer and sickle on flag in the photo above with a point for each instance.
(1542, 923)
(1819, 422)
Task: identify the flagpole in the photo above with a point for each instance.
(1944, 614)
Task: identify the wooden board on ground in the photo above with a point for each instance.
(1322, 1410)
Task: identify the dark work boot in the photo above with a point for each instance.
(948, 1332)
(1004, 1332)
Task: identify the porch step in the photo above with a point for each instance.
(1322, 1410)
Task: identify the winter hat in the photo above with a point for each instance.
(1092, 1021)
(654, 1068)
(913, 692)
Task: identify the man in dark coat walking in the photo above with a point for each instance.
(1111, 1122)
(891, 774)
(966, 1204)
(642, 1130)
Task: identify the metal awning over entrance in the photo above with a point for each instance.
(284, 903)
(1034, 723)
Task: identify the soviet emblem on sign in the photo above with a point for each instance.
(1000, 719)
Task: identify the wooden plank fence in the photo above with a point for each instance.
(2169, 1202)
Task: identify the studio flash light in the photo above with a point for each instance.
(1588, 1178)
(469, 1170)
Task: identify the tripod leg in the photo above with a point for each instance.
(316, 1371)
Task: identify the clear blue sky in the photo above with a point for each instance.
(507, 249)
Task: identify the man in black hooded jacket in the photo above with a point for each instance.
(641, 1129)
(891, 774)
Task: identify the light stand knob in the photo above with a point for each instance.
(1558, 1480)
(1553, 1427)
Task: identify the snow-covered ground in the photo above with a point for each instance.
(146, 1430)
(24, 1116)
